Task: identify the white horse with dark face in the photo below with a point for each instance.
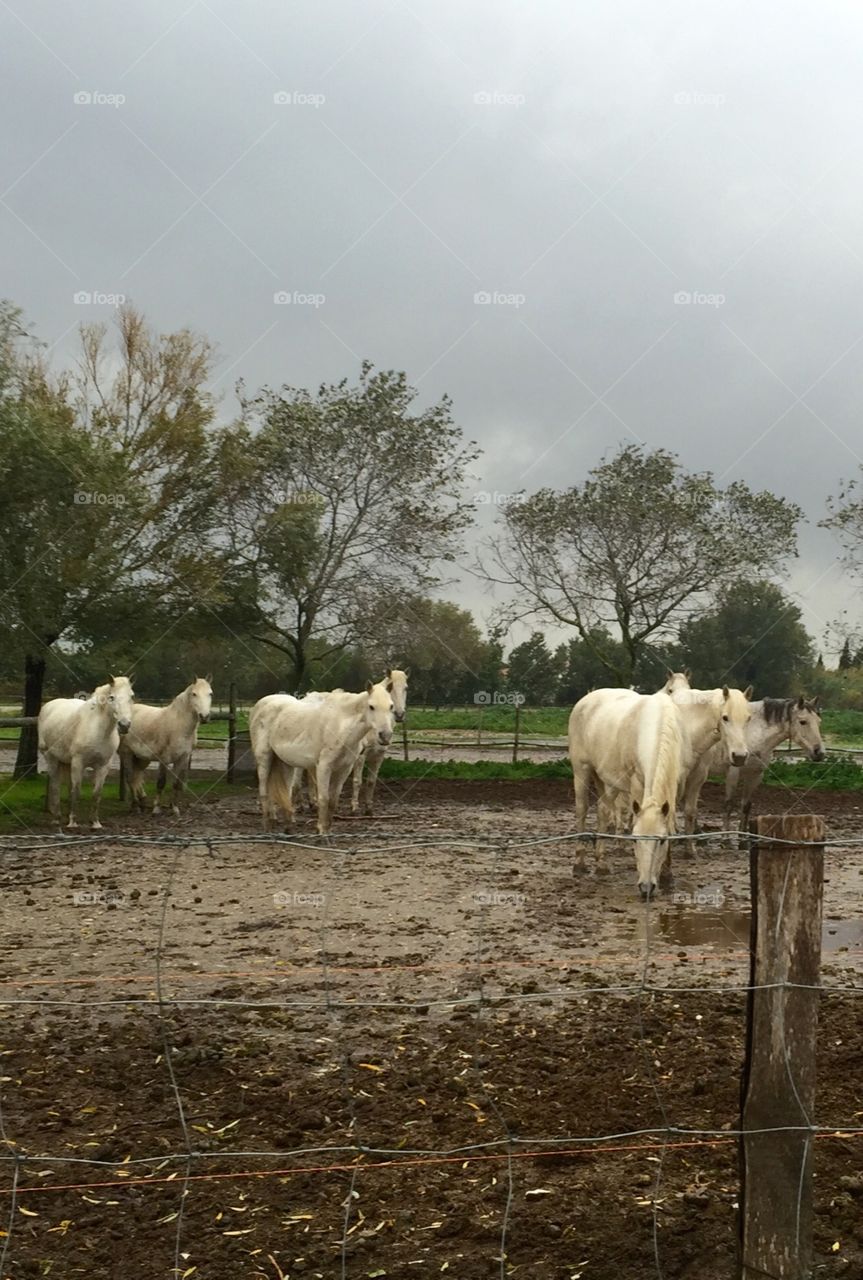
(628, 742)
(76, 734)
(772, 720)
(324, 732)
(167, 735)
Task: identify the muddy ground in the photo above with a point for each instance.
(435, 987)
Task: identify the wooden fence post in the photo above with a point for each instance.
(232, 731)
(405, 739)
(778, 1091)
(515, 739)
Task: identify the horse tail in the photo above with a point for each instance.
(280, 784)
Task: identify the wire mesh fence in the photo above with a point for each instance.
(189, 1164)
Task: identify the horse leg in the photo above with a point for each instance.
(323, 779)
(732, 781)
(179, 773)
(357, 782)
(99, 776)
(338, 778)
(581, 789)
(311, 790)
(135, 769)
(373, 768)
(691, 796)
(53, 789)
(76, 777)
(750, 783)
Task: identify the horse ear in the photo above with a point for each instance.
(725, 691)
(687, 671)
(747, 692)
(669, 674)
(389, 673)
(369, 686)
(636, 807)
(389, 686)
(801, 703)
(113, 680)
(209, 677)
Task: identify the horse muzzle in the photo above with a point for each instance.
(398, 716)
(384, 738)
(739, 758)
(204, 719)
(818, 753)
(123, 726)
(646, 889)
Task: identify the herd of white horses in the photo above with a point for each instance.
(647, 754)
(642, 755)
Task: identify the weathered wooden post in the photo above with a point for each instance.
(778, 1092)
(405, 739)
(232, 731)
(515, 739)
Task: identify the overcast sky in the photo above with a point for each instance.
(381, 164)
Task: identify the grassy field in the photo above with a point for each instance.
(843, 728)
(22, 804)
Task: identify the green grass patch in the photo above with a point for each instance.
(22, 803)
(476, 770)
(838, 773)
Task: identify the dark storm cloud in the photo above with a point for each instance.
(586, 224)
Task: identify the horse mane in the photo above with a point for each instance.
(667, 769)
(777, 709)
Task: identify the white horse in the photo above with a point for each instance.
(76, 734)
(713, 720)
(628, 742)
(324, 733)
(772, 720)
(168, 735)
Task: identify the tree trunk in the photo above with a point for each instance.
(26, 763)
(299, 667)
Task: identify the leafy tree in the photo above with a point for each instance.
(438, 641)
(534, 672)
(343, 500)
(639, 547)
(109, 492)
(754, 636)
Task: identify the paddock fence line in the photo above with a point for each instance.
(786, 880)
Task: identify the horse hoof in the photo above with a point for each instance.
(95, 826)
(175, 811)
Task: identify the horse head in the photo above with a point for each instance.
(397, 687)
(119, 695)
(379, 712)
(805, 727)
(200, 693)
(736, 714)
(652, 825)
